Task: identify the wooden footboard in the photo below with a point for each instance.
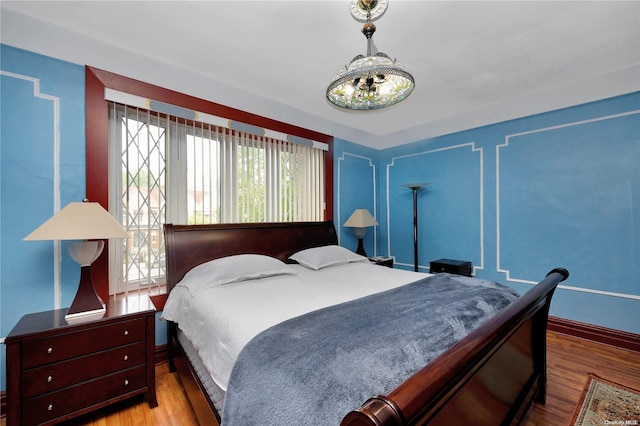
(490, 377)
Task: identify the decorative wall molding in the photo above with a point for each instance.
(57, 247)
(473, 147)
(338, 222)
(507, 140)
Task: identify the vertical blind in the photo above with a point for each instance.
(240, 177)
(167, 169)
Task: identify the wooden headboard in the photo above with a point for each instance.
(188, 246)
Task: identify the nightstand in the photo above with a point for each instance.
(57, 371)
(382, 261)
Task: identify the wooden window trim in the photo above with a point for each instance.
(97, 149)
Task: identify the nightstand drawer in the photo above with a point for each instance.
(69, 345)
(83, 396)
(58, 375)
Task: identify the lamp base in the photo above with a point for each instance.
(360, 249)
(86, 316)
(87, 305)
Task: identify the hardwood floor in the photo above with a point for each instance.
(569, 360)
(173, 407)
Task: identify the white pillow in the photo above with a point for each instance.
(232, 269)
(322, 257)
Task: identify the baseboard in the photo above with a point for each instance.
(595, 333)
(161, 354)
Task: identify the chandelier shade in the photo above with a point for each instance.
(372, 81)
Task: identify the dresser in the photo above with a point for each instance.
(57, 371)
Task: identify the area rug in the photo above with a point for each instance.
(607, 403)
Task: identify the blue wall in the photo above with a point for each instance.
(516, 198)
(519, 198)
(42, 161)
(42, 169)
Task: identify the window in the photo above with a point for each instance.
(171, 169)
(98, 185)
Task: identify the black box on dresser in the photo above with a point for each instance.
(451, 266)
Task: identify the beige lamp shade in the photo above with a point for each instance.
(360, 218)
(79, 221)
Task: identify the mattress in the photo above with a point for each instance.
(216, 395)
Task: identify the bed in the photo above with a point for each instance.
(491, 374)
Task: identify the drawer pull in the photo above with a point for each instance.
(50, 407)
(50, 350)
(126, 357)
(126, 382)
(126, 332)
(49, 379)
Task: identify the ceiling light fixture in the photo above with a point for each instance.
(374, 81)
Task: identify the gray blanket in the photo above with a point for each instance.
(314, 369)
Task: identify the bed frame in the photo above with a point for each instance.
(490, 377)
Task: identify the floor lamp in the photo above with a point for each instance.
(415, 187)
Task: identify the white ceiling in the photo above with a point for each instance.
(474, 63)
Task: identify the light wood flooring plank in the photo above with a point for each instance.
(569, 361)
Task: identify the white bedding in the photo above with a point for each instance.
(221, 319)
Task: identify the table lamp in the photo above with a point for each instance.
(91, 223)
(360, 220)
